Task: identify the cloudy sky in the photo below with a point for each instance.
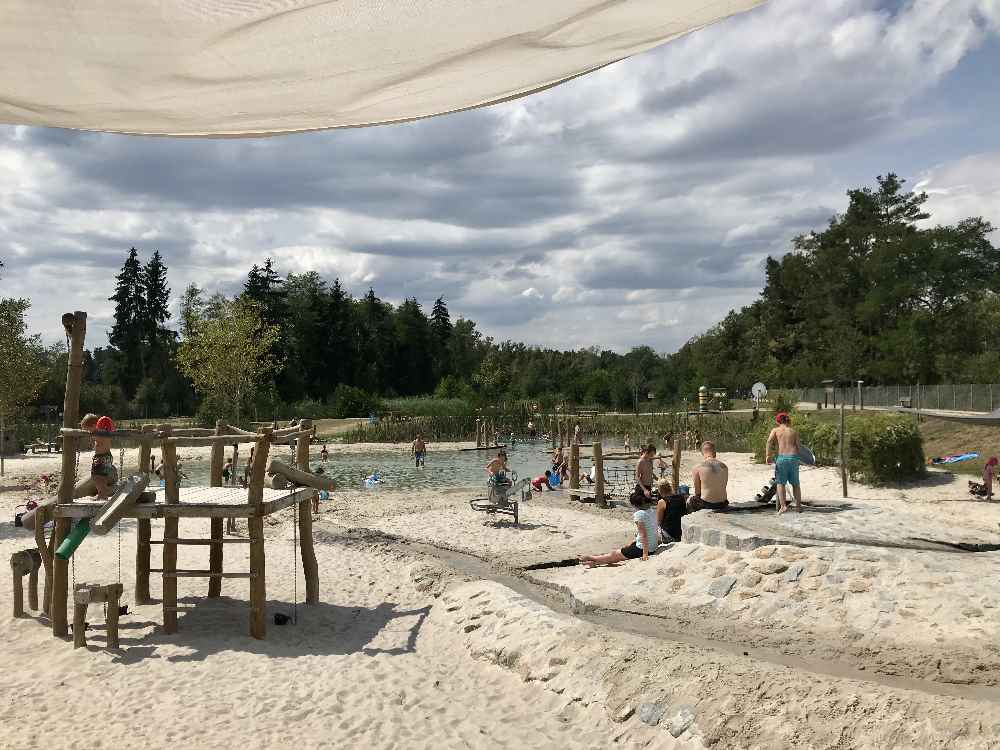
(632, 206)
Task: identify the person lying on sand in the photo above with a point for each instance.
(710, 479)
(647, 536)
(786, 464)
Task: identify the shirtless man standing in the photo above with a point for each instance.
(418, 450)
(786, 463)
(710, 479)
(644, 471)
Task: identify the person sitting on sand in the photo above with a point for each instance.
(103, 473)
(497, 469)
(786, 463)
(647, 536)
(710, 479)
(545, 480)
(418, 450)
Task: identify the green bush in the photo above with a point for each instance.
(349, 401)
(880, 448)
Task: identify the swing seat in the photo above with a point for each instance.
(504, 498)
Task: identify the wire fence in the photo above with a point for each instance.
(954, 397)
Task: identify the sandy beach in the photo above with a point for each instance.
(440, 627)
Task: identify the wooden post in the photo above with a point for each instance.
(79, 623)
(215, 480)
(479, 434)
(18, 595)
(574, 471)
(843, 455)
(675, 464)
(144, 531)
(598, 457)
(310, 568)
(255, 529)
(42, 516)
(112, 622)
(552, 431)
(145, 449)
(76, 326)
(168, 464)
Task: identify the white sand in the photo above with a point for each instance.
(403, 651)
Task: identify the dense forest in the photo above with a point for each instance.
(880, 294)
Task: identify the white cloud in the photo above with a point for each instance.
(632, 206)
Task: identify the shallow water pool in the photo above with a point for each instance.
(397, 471)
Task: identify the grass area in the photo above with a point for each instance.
(942, 438)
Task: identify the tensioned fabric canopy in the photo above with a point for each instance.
(261, 67)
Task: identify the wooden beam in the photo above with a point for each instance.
(298, 476)
(170, 528)
(198, 574)
(119, 504)
(191, 510)
(201, 542)
(76, 326)
(310, 567)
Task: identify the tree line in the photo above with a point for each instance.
(881, 294)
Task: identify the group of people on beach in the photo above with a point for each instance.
(658, 508)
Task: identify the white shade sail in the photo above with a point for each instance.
(258, 67)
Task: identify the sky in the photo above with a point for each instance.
(633, 206)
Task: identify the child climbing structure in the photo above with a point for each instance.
(73, 513)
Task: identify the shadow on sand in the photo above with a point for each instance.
(213, 626)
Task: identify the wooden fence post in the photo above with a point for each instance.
(574, 471)
(255, 530)
(843, 455)
(215, 550)
(310, 568)
(598, 456)
(172, 496)
(676, 464)
(552, 430)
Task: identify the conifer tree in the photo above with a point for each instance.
(127, 333)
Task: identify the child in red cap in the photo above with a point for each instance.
(102, 470)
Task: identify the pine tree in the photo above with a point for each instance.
(441, 329)
(128, 299)
(441, 320)
(126, 335)
(156, 300)
(265, 287)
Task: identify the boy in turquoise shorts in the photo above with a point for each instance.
(786, 463)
